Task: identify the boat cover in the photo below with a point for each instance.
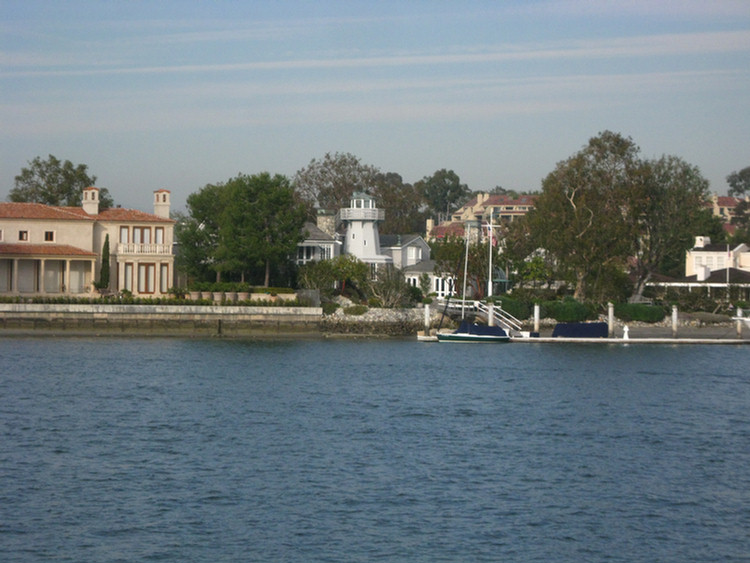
(581, 330)
(473, 328)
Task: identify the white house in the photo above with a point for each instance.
(52, 250)
(705, 258)
(317, 245)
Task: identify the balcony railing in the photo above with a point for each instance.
(140, 248)
(362, 214)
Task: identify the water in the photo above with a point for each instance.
(213, 450)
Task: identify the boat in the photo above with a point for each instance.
(474, 332)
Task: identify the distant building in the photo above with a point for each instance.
(481, 210)
(53, 250)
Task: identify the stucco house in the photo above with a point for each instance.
(51, 250)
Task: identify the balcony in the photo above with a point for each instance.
(140, 249)
(362, 214)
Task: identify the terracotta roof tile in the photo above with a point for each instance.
(40, 211)
(51, 212)
(43, 250)
(120, 214)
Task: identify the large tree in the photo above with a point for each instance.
(329, 183)
(668, 203)
(261, 225)
(581, 217)
(739, 186)
(198, 233)
(54, 182)
(739, 182)
(443, 192)
(401, 202)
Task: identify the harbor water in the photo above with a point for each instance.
(169, 449)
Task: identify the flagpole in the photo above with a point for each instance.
(489, 276)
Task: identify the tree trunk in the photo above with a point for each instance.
(580, 291)
(640, 286)
(268, 273)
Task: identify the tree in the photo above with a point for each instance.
(402, 204)
(262, 225)
(739, 186)
(104, 272)
(390, 287)
(329, 183)
(198, 234)
(739, 182)
(581, 217)
(53, 182)
(443, 192)
(669, 206)
(196, 249)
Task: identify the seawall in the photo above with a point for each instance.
(177, 320)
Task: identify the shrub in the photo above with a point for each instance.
(356, 310)
(639, 312)
(329, 307)
(519, 309)
(569, 311)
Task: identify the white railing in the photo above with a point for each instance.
(140, 248)
(502, 318)
(362, 214)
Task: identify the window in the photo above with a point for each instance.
(49, 236)
(1, 234)
(146, 278)
(164, 278)
(124, 238)
(141, 235)
(23, 235)
(159, 235)
(128, 281)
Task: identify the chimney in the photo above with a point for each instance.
(161, 203)
(91, 200)
(701, 242)
(326, 222)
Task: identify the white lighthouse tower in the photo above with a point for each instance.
(362, 237)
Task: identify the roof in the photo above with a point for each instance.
(43, 250)
(452, 229)
(130, 215)
(311, 232)
(720, 276)
(41, 211)
(716, 247)
(389, 241)
(425, 266)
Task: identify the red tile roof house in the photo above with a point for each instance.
(49, 250)
(478, 210)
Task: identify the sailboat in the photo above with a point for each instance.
(468, 331)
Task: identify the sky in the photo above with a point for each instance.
(179, 94)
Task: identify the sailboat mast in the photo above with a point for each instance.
(466, 269)
(489, 244)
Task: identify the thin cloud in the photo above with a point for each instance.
(651, 46)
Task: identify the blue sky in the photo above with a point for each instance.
(176, 95)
